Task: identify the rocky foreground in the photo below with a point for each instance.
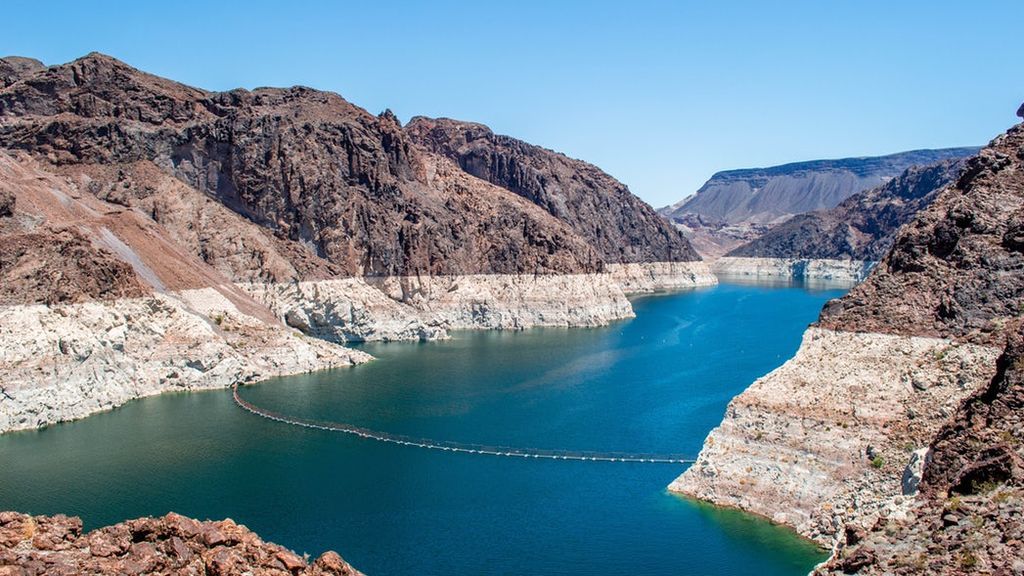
(893, 435)
(173, 544)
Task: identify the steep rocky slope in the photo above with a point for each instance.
(173, 544)
(862, 227)
(969, 518)
(845, 242)
(836, 440)
(315, 169)
(620, 226)
(956, 270)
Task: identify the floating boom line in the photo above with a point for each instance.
(465, 448)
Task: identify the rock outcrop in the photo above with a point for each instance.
(428, 307)
(172, 544)
(862, 227)
(13, 68)
(858, 441)
(957, 270)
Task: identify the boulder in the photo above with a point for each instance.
(913, 471)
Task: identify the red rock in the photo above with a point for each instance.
(179, 549)
(331, 563)
(110, 541)
(181, 525)
(56, 532)
(212, 536)
(291, 561)
(54, 546)
(224, 562)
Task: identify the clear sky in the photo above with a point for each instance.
(659, 94)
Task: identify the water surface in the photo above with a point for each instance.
(657, 383)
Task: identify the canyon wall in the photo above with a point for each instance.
(841, 440)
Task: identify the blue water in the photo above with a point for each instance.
(657, 383)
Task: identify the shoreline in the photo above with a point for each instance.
(807, 269)
(732, 508)
(792, 450)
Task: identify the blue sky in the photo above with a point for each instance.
(659, 94)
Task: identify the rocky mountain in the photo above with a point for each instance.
(134, 208)
(355, 189)
(173, 544)
(601, 209)
(862, 227)
(737, 206)
(956, 270)
(893, 433)
(768, 194)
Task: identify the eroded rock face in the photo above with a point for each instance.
(862, 227)
(61, 266)
(13, 68)
(428, 307)
(67, 361)
(970, 516)
(957, 270)
(172, 544)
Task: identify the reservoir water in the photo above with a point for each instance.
(656, 383)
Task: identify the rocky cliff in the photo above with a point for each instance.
(173, 544)
(836, 441)
(621, 227)
(356, 190)
(955, 270)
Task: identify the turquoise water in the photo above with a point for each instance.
(657, 383)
